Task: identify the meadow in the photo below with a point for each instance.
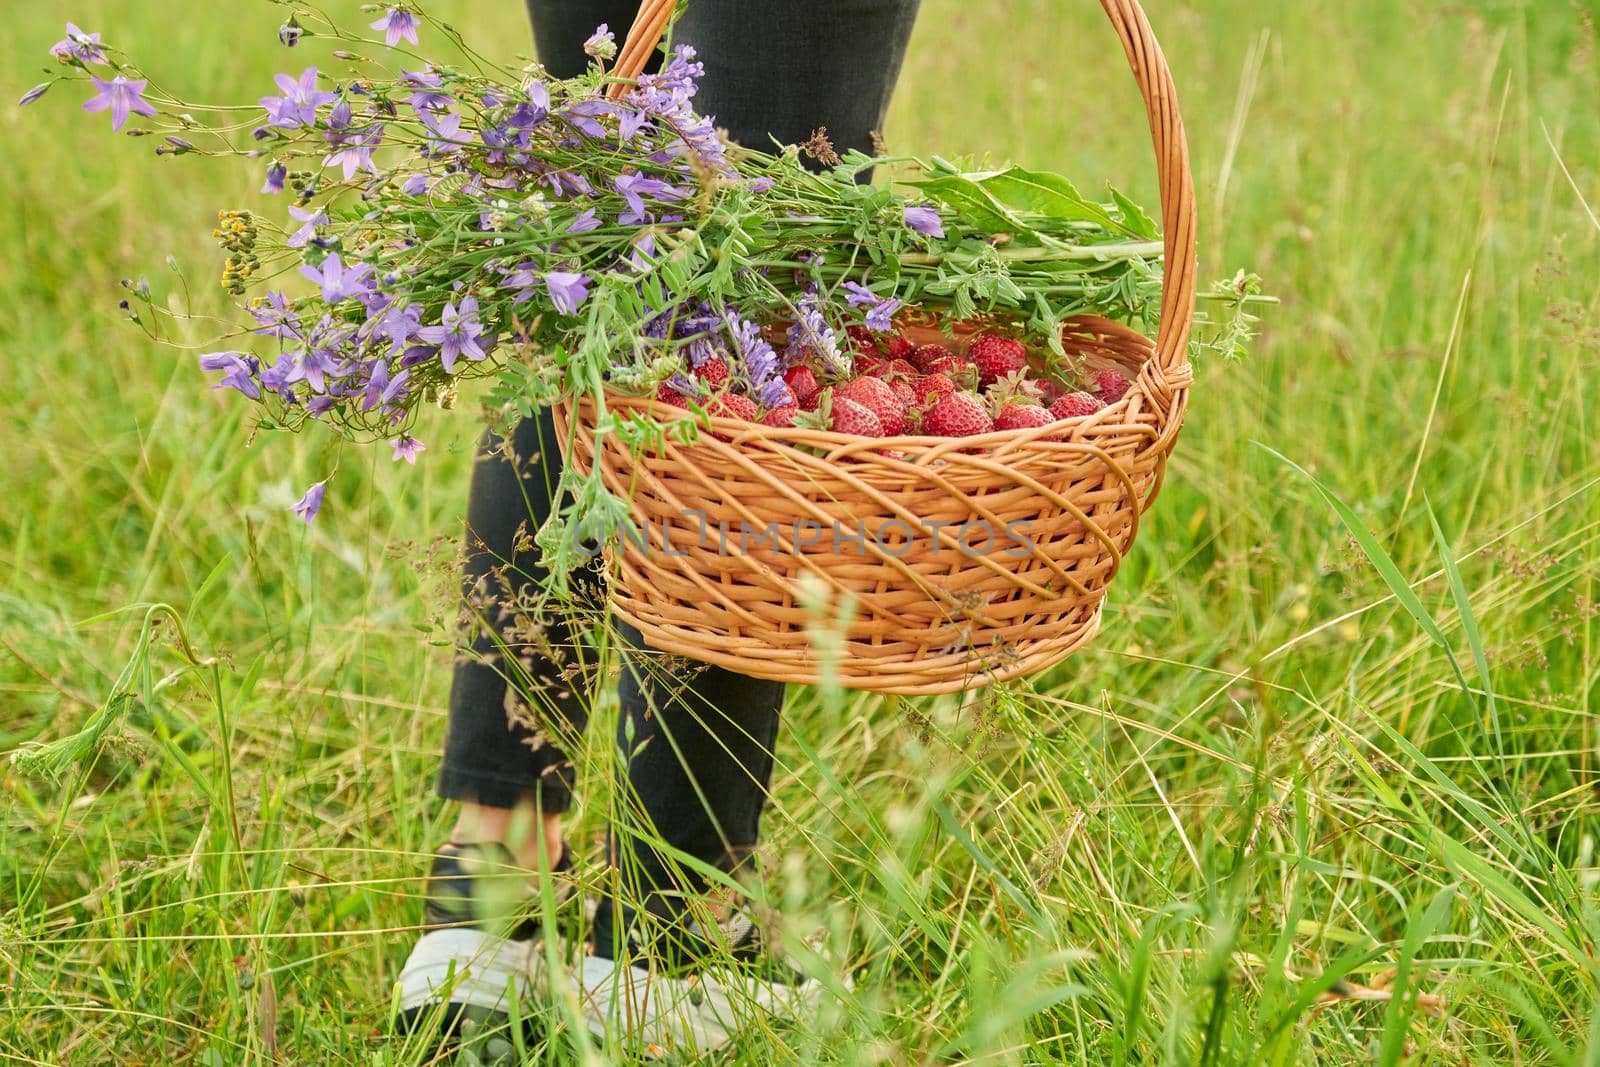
(1323, 791)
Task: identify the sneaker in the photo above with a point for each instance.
(478, 954)
(693, 1006)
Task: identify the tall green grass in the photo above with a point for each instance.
(1323, 791)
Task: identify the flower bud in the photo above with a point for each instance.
(290, 32)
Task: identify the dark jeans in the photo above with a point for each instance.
(696, 748)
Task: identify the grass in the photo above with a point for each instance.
(1323, 791)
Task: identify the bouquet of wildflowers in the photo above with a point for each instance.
(593, 237)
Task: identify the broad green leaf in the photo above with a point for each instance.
(1042, 193)
(1134, 220)
(973, 204)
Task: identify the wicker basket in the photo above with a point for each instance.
(734, 523)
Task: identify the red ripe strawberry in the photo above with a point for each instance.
(900, 348)
(904, 391)
(668, 395)
(997, 357)
(1075, 405)
(933, 386)
(865, 340)
(714, 372)
(1022, 417)
(802, 382)
(783, 416)
(959, 370)
(1110, 385)
(925, 354)
(957, 415)
(732, 406)
(878, 397)
(902, 368)
(871, 365)
(847, 416)
(1049, 389)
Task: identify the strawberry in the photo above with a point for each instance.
(933, 386)
(925, 354)
(871, 365)
(668, 395)
(865, 340)
(732, 406)
(878, 397)
(996, 357)
(1049, 390)
(782, 416)
(802, 382)
(958, 369)
(904, 391)
(1015, 416)
(1075, 405)
(847, 416)
(714, 372)
(903, 368)
(1110, 385)
(900, 348)
(957, 415)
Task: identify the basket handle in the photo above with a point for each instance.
(1169, 372)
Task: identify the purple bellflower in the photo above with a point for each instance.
(122, 96)
(397, 25)
(299, 102)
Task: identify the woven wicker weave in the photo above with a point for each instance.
(936, 609)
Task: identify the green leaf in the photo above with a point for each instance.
(973, 204)
(1134, 220)
(1043, 193)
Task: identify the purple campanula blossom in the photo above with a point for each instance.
(532, 111)
(444, 132)
(585, 222)
(276, 173)
(299, 102)
(567, 290)
(630, 120)
(281, 377)
(416, 185)
(273, 317)
(583, 116)
(381, 388)
(457, 335)
(84, 47)
(356, 153)
(339, 282)
(397, 25)
(634, 187)
(602, 44)
(396, 324)
(319, 405)
(925, 220)
(238, 371)
(760, 185)
(424, 99)
(122, 96)
(309, 221)
(307, 506)
(406, 447)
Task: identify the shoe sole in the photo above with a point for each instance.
(464, 969)
(681, 1014)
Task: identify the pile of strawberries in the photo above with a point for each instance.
(898, 387)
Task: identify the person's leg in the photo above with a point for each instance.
(698, 747)
(510, 777)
